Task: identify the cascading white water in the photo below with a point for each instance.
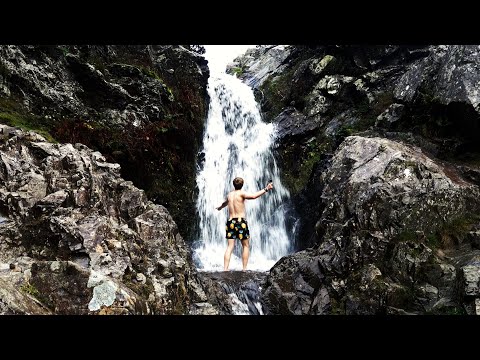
(238, 143)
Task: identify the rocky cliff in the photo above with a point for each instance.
(141, 106)
(76, 238)
(378, 146)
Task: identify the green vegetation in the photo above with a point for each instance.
(361, 125)
(450, 310)
(65, 50)
(337, 306)
(150, 72)
(383, 101)
(30, 289)
(277, 90)
(238, 71)
(368, 114)
(12, 114)
(96, 61)
(301, 166)
(345, 130)
(16, 120)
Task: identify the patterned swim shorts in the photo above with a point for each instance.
(237, 228)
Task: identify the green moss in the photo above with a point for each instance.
(296, 180)
(97, 62)
(345, 130)
(299, 161)
(13, 114)
(25, 123)
(238, 71)
(150, 72)
(450, 310)
(30, 289)
(433, 241)
(65, 50)
(277, 91)
(368, 114)
(400, 297)
(338, 306)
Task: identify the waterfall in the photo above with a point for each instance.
(237, 142)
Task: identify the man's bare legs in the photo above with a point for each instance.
(245, 253)
(228, 253)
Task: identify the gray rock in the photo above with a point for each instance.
(474, 238)
(393, 113)
(231, 293)
(291, 123)
(141, 278)
(66, 203)
(451, 73)
(16, 301)
(379, 198)
(471, 278)
(319, 66)
(260, 63)
(409, 83)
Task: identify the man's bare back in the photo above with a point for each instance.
(236, 204)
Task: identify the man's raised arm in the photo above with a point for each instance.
(258, 193)
(223, 205)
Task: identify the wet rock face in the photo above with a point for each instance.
(232, 293)
(385, 210)
(259, 63)
(78, 239)
(141, 106)
(379, 184)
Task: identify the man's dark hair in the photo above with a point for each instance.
(238, 183)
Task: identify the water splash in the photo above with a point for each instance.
(238, 143)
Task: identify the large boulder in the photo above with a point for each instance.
(389, 214)
(76, 238)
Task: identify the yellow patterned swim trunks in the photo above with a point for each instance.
(237, 228)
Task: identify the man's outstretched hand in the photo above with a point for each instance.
(269, 186)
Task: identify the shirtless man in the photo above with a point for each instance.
(236, 226)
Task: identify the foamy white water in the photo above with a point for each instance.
(238, 143)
